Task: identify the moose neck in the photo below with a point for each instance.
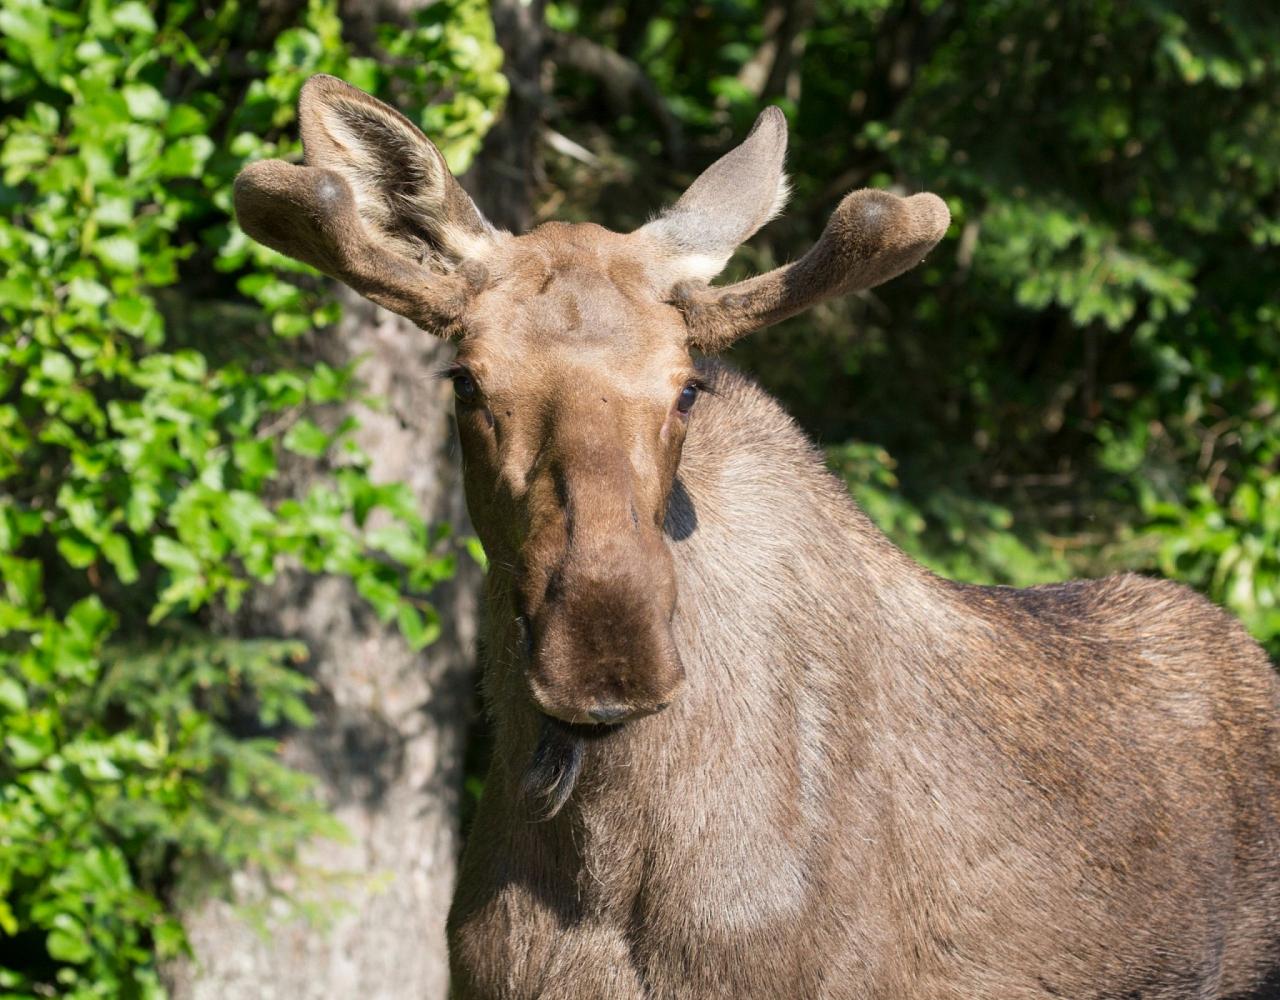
(774, 561)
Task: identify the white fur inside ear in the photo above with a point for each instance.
(695, 244)
(780, 199)
(697, 267)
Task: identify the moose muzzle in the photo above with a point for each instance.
(600, 640)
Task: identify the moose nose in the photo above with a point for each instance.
(605, 714)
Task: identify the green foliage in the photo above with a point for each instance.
(449, 46)
(1113, 169)
(957, 535)
(144, 415)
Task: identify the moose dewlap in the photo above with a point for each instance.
(744, 746)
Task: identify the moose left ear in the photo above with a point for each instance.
(725, 206)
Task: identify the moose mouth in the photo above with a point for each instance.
(557, 763)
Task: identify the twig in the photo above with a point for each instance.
(624, 82)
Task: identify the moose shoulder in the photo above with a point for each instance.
(744, 746)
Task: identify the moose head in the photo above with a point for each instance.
(575, 374)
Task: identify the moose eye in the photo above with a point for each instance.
(464, 387)
(688, 396)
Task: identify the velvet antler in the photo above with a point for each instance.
(871, 237)
(375, 207)
(310, 214)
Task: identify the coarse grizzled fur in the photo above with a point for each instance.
(745, 747)
(880, 784)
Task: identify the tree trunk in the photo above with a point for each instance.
(387, 748)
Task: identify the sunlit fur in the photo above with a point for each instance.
(827, 773)
(877, 783)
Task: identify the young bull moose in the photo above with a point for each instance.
(744, 746)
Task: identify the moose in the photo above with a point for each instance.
(745, 747)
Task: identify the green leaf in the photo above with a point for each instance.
(98, 767)
(256, 459)
(13, 696)
(185, 157)
(475, 549)
(144, 102)
(141, 507)
(8, 924)
(134, 313)
(18, 290)
(22, 151)
(88, 620)
(397, 541)
(66, 946)
(77, 550)
(384, 597)
(119, 252)
(174, 556)
(287, 324)
(307, 439)
(27, 750)
(419, 630)
(120, 555)
(134, 16)
(185, 119)
(170, 938)
(87, 293)
(57, 368)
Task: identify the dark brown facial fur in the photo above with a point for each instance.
(744, 746)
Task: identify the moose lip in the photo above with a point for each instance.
(595, 730)
(580, 730)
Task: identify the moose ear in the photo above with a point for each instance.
(725, 206)
(375, 206)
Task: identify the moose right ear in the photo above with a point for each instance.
(727, 203)
(375, 206)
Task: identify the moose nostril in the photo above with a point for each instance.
(605, 714)
(524, 637)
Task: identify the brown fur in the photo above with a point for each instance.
(831, 773)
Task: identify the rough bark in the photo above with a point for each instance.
(388, 745)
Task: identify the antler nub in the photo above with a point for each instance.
(871, 237)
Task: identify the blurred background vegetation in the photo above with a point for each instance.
(1084, 376)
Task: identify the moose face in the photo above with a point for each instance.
(574, 389)
(574, 378)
